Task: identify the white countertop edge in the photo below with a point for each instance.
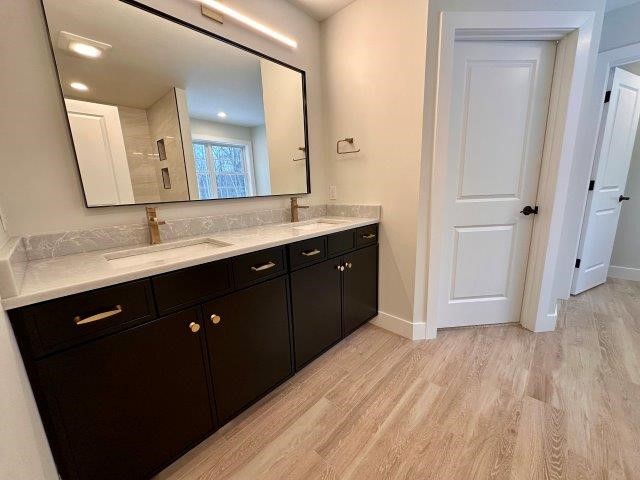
(25, 297)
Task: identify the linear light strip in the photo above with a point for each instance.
(249, 22)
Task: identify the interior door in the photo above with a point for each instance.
(604, 202)
(499, 111)
(102, 158)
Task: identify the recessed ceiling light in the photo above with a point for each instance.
(79, 86)
(82, 46)
(250, 22)
(222, 115)
(85, 49)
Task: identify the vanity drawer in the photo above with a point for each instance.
(307, 251)
(367, 235)
(341, 242)
(257, 266)
(71, 320)
(192, 285)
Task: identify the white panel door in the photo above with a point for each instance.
(604, 202)
(102, 158)
(499, 111)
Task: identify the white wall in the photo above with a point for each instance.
(220, 130)
(621, 27)
(626, 249)
(39, 185)
(283, 112)
(261, 160)
(24, 452)
(374, 54)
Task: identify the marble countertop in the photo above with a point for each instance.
(61, 276)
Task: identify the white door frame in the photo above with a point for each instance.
(589, 136)
(574, 31)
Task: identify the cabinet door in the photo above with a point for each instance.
(129, 403)
(360, 287)
(249, 344)
(316, 301)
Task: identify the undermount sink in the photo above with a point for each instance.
(164, 252)
(319, 224)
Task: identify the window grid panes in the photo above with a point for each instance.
(220, 170)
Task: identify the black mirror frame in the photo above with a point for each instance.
(215, 36)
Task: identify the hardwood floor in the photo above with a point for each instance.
(483, 402)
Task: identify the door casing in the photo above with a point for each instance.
(573, 31)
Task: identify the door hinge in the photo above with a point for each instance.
(607, 96)
(592, 185)
(577, 263)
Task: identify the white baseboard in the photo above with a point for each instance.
(548, 322)
(625, 273)
(400, 326)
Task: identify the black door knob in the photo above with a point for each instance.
(529, 210)
(622, 198)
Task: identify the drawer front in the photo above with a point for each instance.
(187, 287)
(367, 235)
(307, 252)
(341, 242)
(254, 267)
(71, 320)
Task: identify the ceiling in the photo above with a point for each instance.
(149, 55)
(615, 4)
(321, 9)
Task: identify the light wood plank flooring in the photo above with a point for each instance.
(492, 402)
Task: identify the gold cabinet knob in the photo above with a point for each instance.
(194, 327)
(215, 319)
(348, 264)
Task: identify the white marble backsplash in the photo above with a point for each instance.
(37, 247)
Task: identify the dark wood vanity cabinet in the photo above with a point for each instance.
(360, 287)
(316, 298)
(249, 344)
(129, 377)
(333, 298)
(121, 406)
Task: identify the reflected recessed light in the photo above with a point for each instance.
(222, 115)
(79, 86)
(85, 50)
(82, 46)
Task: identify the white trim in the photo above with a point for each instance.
(625, 273)
(400, 326)
(248, 160)
(589, 136)
(569, 79)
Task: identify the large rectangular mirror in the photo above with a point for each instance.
(160, 111)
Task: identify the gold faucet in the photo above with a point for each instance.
(153, 222)
(294, 209)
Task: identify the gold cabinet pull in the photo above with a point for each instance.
(369, 236)
(194, 327)
(216, 319)
(311, 253)
(261, 268)
(348, 265)
(98, 316)
(340, 268)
